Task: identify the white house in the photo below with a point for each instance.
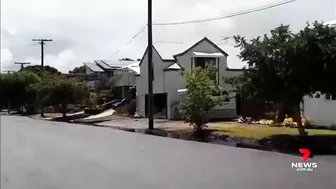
(321, 110)
(169, 85)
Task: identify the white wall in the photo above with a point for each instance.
(319, 111)
(173, 81)
(142, 80)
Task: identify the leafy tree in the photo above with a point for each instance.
(37, 69)
(16, 89)
(200, 96)
(57, 90)
(80, 69)
(286, 66)
(67, 91)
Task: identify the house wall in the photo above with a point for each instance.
(142, 80)
(124, 79)
(173, 81)
(88, 70)
(319, 111)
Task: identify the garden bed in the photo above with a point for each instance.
(262, 137)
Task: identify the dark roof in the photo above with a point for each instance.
(204, 39)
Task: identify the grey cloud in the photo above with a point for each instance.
(84, 30)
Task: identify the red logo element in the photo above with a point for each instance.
(305, 152)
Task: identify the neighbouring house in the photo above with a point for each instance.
(169, 85)
(124, 78)
(320, 109)
(101, 70)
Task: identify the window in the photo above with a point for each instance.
(330, 96)
(205, 62)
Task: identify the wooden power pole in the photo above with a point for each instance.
(42, 43)
(22, 64)
(150, 68)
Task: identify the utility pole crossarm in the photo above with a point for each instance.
(42, 39)
(22, 64)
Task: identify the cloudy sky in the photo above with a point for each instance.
(86, 30)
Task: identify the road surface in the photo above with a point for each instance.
(51, 155)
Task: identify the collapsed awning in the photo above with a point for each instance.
(182, 91)
(207, 55)
(331, 23)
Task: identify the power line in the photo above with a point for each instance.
(135, 36)
(248, 11)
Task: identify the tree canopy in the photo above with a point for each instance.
(285, 66)
(80, 69)
(26, 89)
(37, 69)
(15, 89)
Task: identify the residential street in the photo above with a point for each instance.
(50, 155)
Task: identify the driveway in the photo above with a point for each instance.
(38, 154)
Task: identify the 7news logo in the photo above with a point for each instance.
(304, 165)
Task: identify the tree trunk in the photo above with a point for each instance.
(64, 109)
(8, 107)
(298, 119)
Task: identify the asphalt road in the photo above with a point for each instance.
(48, 155)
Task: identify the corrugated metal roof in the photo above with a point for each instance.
(118, 63)
(103, 64)
(168, 50)
(93, 66)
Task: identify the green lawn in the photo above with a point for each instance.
(259, 131)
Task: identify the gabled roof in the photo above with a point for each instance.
(173, 66)
(93, 67)
(173, 58)
(164, 60)
(204, 39)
